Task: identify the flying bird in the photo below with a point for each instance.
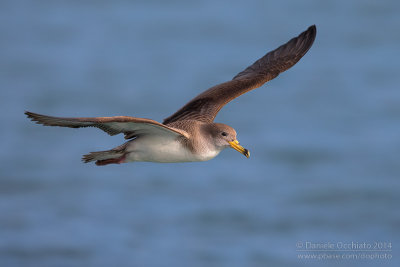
(190, 134)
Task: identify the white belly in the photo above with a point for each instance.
(157, 149)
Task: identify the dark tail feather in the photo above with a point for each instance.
(115, 155)
(111, 161)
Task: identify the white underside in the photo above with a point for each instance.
(164, 149)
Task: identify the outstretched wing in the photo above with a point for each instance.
(205, 106)
(129, 126)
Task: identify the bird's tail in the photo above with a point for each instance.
(113, 156)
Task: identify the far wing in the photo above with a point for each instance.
(130, 126)
(205, 106)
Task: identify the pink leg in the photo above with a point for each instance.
(111, 161)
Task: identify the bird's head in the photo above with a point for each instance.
(225, 136)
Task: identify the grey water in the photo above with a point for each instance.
(324, 136)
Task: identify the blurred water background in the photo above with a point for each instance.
(324, 136)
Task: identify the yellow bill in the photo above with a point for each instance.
(235, 145)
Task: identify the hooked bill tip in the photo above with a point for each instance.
(246, 153)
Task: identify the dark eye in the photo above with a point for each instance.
(224, 134)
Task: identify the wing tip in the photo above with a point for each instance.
(299, 46)
(29, 114)
(33, 117)
(312, 28)
(312, 32)
(307, 38)
(44, 120)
